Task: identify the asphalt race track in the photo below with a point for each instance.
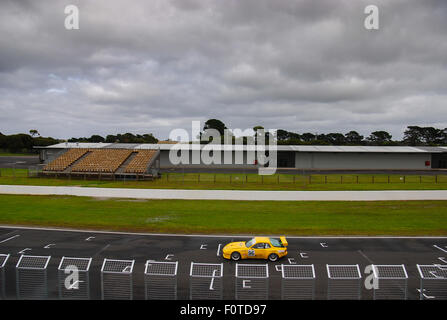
(206, 249)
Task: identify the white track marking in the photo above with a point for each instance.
(437, 247)
(168, 256)
(13, 237)
(292, 261)
(304, 255)
(89, 238)
(365, 256)
(249, 195)
(103, 249)
(23, 251)
(209, 235)
(212, 279)
(48, 246)
(203, 247)
(442, 259)
(323, 244)
(218, 249)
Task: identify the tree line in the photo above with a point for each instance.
(119, 138)
(23, 142)
(413, 136)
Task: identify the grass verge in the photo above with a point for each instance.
(222, 181)
(396, 218)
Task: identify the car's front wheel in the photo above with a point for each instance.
(235, 256)
(273, 257)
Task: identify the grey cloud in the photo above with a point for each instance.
(150, 66)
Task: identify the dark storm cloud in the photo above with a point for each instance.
(150, 66)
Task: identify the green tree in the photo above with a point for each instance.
(215, 124)
(34, 132)
(354, 138)
(379, 138)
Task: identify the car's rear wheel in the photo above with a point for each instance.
(273, 257)
(235, 256)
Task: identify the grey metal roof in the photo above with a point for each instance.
(297, 148)
(122, 146)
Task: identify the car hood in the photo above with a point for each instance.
(234, 245)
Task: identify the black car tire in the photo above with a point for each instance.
(273, 257)
(235, 256)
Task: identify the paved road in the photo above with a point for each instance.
(19, 162)
(228, 194)
(206, 249)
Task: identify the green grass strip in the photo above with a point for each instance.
(304, 218)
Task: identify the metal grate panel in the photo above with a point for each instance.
(83, 264)
(252, 271)
(117, 266)
(343, 271)
(161, 268)
(295, 271)
(33, 262)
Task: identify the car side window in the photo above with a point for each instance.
(267, 246)
(258, 246)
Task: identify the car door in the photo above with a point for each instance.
(260, 252)
(251, 252)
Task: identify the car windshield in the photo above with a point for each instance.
(276, 242)
(249, 243)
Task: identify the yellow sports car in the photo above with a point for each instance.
(256, 248)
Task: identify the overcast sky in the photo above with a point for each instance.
(151, 66)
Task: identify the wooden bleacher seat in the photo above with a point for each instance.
(66, 159)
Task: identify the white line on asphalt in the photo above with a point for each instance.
(218, 249)
(439, 248)
(212, 235)
(365, 256)
(17, 235)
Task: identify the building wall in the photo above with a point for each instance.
(242, 162)
(48, 155)
(365, 161)
(308, 160)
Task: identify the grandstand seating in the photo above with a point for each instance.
(66, 159)
(102, 160)
(140, 162)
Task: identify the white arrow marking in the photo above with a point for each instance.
(89, 238)
(168, 257)
(23, 251)
(49, 245)
(203, 247)
(303, 255)
(292, 261)
(323, 244)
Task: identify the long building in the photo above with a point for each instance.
(307, 157)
